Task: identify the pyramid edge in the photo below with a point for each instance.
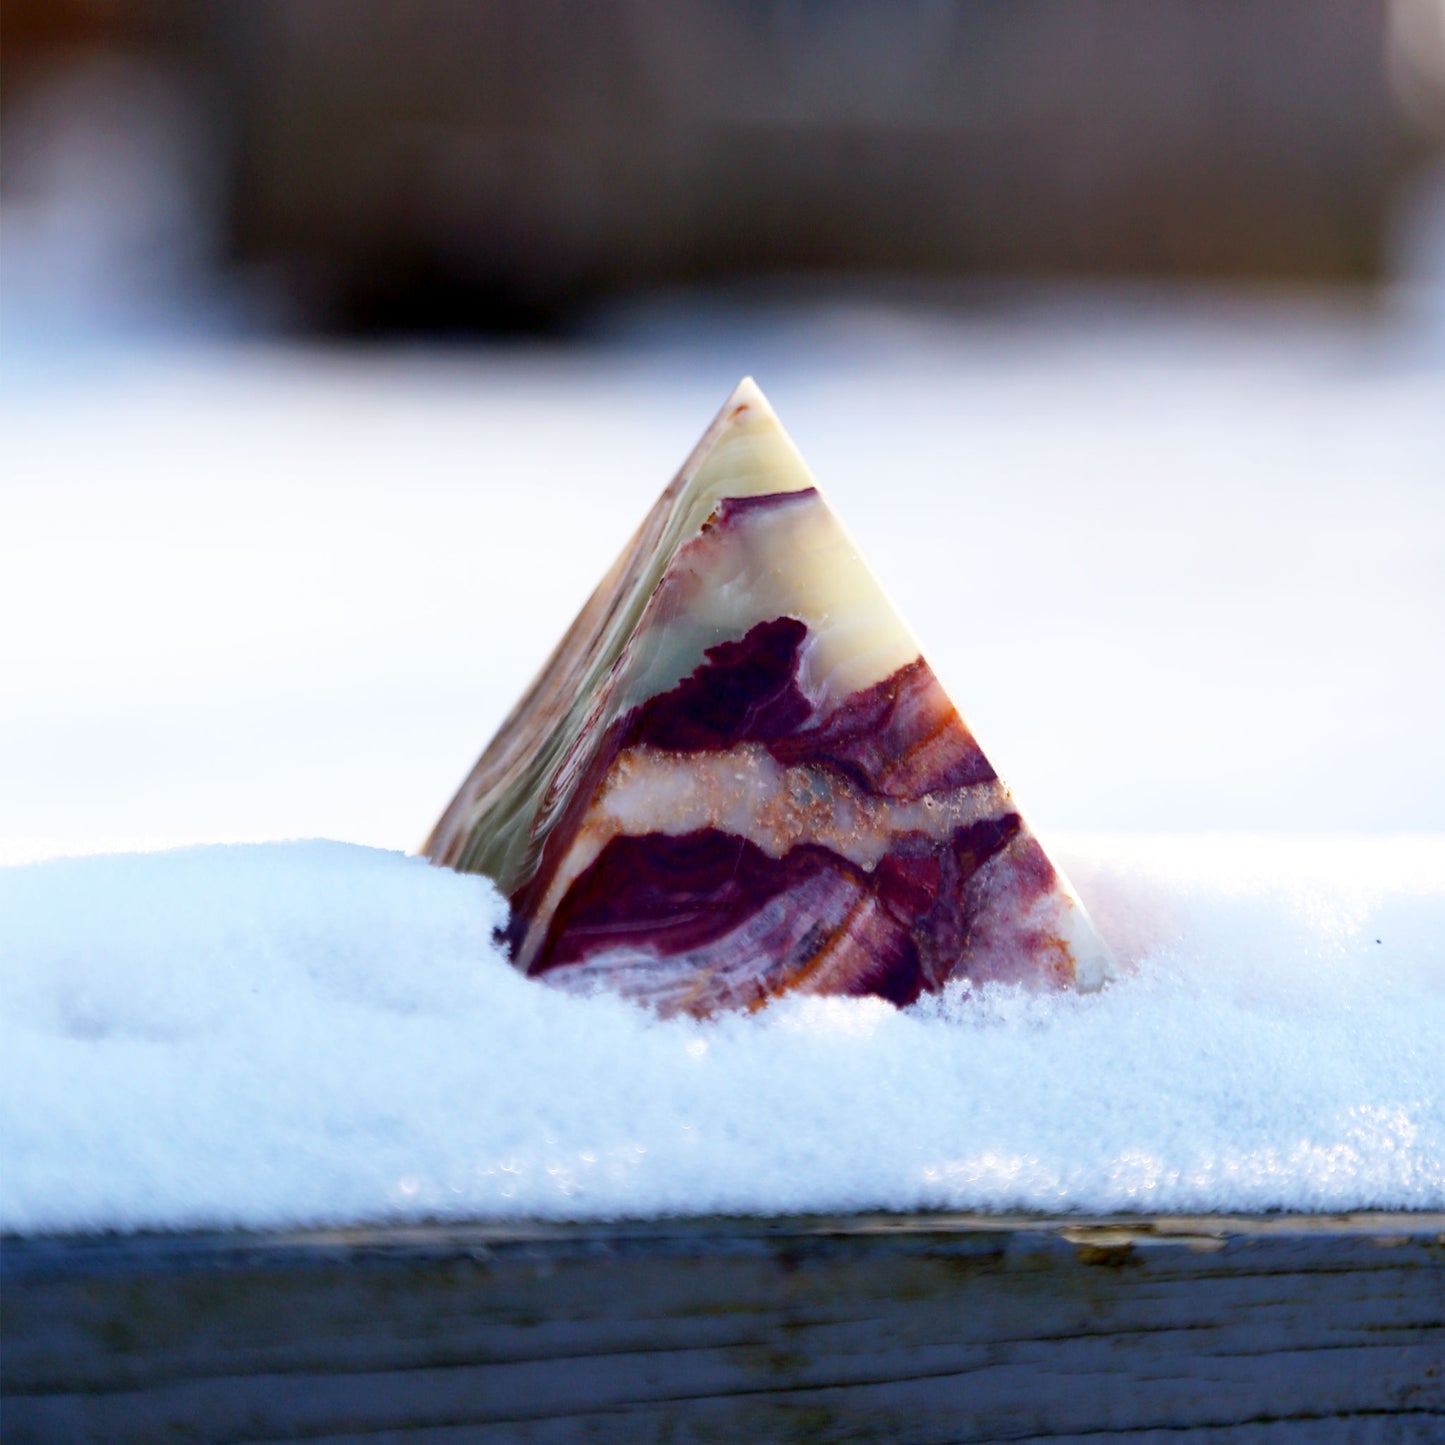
(440, 847)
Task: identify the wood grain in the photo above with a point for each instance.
(926, 1328)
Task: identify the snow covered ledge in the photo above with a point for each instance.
(289, 1149)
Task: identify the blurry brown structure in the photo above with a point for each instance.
(477, 161)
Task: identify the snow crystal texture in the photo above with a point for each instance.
(312, 1033)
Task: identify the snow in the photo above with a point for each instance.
(1179, 554)
(309, 1033)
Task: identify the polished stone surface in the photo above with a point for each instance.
(738, 777)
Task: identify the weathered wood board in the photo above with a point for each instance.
(891, 1328)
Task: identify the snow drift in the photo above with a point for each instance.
(305, 1033)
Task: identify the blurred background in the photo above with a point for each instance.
(342, 344)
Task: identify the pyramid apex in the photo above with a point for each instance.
(746, 396)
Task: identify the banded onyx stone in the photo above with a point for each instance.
(736, 776)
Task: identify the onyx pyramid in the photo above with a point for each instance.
(737, 777)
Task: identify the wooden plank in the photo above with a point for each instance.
(917, 1328)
